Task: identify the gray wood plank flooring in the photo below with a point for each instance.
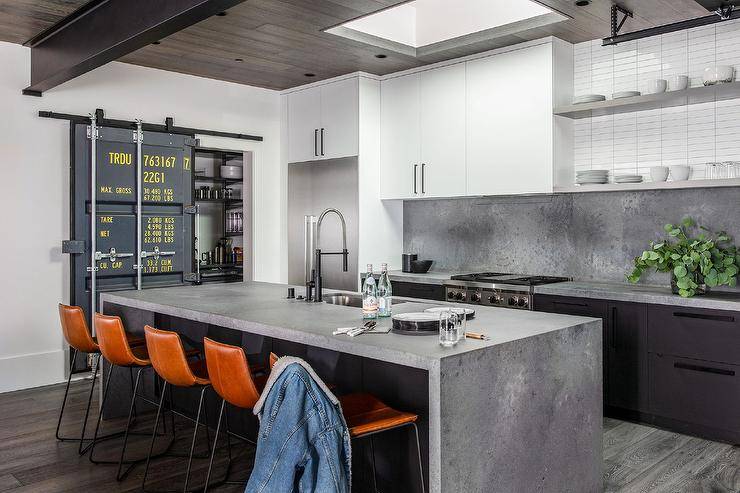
(637, 458)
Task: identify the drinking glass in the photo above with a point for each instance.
(451, 326)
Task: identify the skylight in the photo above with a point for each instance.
(420, 23)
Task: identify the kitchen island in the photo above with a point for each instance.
(521, 411)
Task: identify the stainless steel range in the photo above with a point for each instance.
(496, 289)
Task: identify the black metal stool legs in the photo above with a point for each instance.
(191, 455)
(195, 437)
(418, 455)
(225, 480)
(64, 400)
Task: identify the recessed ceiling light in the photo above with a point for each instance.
(238, 59)
(309, 74)
(582, 3)
(157, 43)
(380, 55)
(221, 14)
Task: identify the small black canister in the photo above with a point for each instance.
(406, 259)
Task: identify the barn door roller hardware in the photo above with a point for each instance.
(168, 127)
(721, 11)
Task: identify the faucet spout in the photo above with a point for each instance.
(344, 228)
(344, 253)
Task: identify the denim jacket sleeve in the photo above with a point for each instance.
(303, 443)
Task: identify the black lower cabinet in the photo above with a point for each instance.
(670, 366)
(624, 345)
(626, 357)
(695, 396)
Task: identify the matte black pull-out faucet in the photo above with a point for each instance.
(316, 281)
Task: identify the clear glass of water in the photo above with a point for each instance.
(451, 327)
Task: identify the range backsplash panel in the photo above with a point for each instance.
(587, 236)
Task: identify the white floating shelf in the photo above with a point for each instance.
(692, 95)
(651, 185)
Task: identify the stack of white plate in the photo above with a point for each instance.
(628, 179)
(592, 177)
(589, 98)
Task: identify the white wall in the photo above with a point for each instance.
(34, 202)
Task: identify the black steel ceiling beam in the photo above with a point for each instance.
(102, 31)
(168, 127)
(669, 28)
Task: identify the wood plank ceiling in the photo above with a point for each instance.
(274, 43)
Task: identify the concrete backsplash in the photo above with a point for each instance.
(587, 236)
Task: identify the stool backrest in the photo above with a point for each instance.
(113, 341)
(168, 357)
(74, 327)
(229, 372)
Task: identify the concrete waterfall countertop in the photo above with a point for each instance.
(261, 308)
(637, 293)
(538, 380)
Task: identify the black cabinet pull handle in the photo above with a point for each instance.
(569, 303)
(704, 369)
(416, 166)
(322, 141)
(613, 328)
(423, 165)
(705, 316)
(315, 142)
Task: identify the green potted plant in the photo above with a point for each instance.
(696, 262)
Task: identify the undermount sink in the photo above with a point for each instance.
(349, 299)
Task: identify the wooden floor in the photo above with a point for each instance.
(637, 458)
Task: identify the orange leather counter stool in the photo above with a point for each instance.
(169, 360)
(78, 336)
(366, 416)
(115, 348)
(233, 381)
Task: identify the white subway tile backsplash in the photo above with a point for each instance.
(633, 142)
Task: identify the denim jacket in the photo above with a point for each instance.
(303, 443)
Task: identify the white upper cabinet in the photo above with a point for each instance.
(442, 131)
(339, 119)
(479, 126)
(510, 122)
(400, 164)
(323, 121)
(304, 122)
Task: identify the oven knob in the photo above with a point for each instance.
(495, 299)
(513, 301)
(475, 297)
(523, 302)
(460, 296)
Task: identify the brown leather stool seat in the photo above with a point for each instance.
(77, 335)
(169, 359)
(233, 380)
(365, 414)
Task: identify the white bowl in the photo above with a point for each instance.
(717, 75)
(656, 86)
(231, 172)
(678, 83)
(680, 172)
(659, 173)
